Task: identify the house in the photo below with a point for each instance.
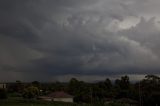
(58, 96)
(45, 98)
(128, 102)
(108, 100)
(3, 85)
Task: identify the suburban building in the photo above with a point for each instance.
(3, 85)
(58, 96)
(108, 100)
(128, 102)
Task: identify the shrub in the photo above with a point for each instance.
(3, 93)
(30, 92)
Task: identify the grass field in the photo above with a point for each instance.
(22, 102)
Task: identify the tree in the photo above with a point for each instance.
(31, 92)
(108, 84)
(150, 88)
(123, 87)
(80, 90)
(36, 84)
(125, 84)
(73, 85)
(103, 89)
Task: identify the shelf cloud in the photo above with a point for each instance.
(40, 40)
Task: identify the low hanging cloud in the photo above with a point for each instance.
(43, 40)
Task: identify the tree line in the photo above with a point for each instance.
(146, 91)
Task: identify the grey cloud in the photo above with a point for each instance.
(49, 38)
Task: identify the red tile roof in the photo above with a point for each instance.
(60, 94)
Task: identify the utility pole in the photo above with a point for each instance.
(91, 95)
(140, 95)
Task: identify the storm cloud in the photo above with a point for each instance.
(48, 39)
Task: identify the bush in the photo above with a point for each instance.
(3, 94)
(30, 92)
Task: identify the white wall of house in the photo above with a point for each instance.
(47, 99)
(63, 99)
(3, 86)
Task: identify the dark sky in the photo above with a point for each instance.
(50, 40)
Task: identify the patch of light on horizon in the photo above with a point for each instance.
(96, 78)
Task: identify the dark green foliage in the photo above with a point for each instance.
(123, 83)
(89, 93)
(102, 90)
(3, 93)
(36, 84)
(123, 87)
(22, 102)
(147, 91)
(108, 84)
(30, 92)
(80, 90)
(150, 90)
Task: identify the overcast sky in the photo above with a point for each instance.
(50, 40)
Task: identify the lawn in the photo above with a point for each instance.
(22, 102)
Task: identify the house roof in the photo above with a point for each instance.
(44, 97)
(59, 94)
(127, 100)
